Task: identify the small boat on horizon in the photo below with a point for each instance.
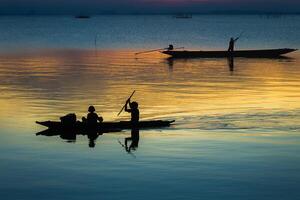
(263, 53)
(82, 16)
(183, 16)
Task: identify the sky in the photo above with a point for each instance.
(144, 6)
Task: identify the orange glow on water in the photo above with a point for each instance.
(47, 85)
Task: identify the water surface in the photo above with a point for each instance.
(237, 129)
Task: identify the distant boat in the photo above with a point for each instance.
(266, 53)
(82, 16)
(183, 16)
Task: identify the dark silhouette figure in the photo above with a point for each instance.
(92, 125)
(135, 137)
(92, 118)
(230, 60)
(232, 43)
(135, 117)
(135, 113)
(68, 121)
(69, 127)
(170, 63)
(92, 136)
(170, 48)
(70, 136)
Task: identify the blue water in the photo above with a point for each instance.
(129, 32)
(236, 134)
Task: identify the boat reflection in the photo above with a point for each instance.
(71, 135)
(170, 62)
(135, 138)
(230, 61)
(130, 143)
(92, 136)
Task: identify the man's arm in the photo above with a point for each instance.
(100, 119)
(126, 108)
(236, 39)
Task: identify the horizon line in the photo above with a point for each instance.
(230, 12)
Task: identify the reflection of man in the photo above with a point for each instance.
(231, 44)
(230, 60)
(170, 48)
(135, 137)
(92, 136)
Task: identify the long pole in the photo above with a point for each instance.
(240, 35)
(156, 50)
(150, 51)
(95, 41)
(128, 151)
(126, 102)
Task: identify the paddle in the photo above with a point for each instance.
(240, 35)
(126, 103)
(157, 50)
(150, 51)
(128, 151)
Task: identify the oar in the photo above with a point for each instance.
(240, 35)
(157, 50)
(129, 152)
(126, 102)
(179, 48)
(150, 51)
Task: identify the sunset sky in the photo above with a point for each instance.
(144, 6)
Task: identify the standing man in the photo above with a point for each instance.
(135, 117)
(231, 44)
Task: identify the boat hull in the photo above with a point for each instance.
(107, 126)
(266, 53)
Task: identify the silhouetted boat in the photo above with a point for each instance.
(108, 126)
(82, 16)
(183, 16)
(266, 53)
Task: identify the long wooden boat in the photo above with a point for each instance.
(265, 53)
(107, 126)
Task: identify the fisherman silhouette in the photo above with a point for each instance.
(135, 113)
(92, 125)
(170, 48)
(92, 118)
(232, 43)
(135, 133)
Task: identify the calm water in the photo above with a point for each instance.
(237, 129)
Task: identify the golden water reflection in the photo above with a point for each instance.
(45, 85)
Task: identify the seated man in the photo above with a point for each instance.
(170, 48)
(92, 117)
(92, 125)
